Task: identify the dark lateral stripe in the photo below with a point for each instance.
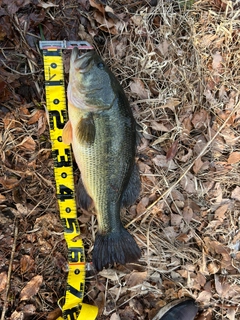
(51, 53)
(54, 83)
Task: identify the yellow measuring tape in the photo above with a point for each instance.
(73, 308)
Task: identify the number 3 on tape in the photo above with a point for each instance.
(73, 308)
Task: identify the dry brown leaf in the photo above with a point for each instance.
(177, 195)
(226, 262)
(35, 116)
(187, 214)
(42, 124)
(231, 312)
(184, 157)
(9, 183)
(17, 315)
(158, 126)
(141, 206)
(236, 193)
(234, 157)
(14, 6)
(199, 281)
(175, 219)
(171, 104)
(100, 302)
(2, 198)
(205, 315)
(54, 314)
(204, 297)
(161, 161)
(105, 24)
(10, 122)
(3, 280)
(197, 165)
(207, 39)
(30, 309)
(184, 273)
(97, 5)
(215, 245)
(213, 267)
(183, 237)
(26, 263)
(46, 5)
(137, 19)
(170, 233)
(137, 87)
(111, 274)
(188, 183)
(136, 278)
(163, 47)
(221, 287)
(199, 119)
(229, 136)
(172, 151)
(200, 144)
(84, 35)
(136, 306)
(176, 205)
(118, 48)
(28, 143)
(217, 61)
(147, 173)
(115, 316)
(220, 212)
(31, 289)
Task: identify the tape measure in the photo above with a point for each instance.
(72, 308)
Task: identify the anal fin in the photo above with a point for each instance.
(84, 201)
(133, 188)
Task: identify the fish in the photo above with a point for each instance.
(102, 131)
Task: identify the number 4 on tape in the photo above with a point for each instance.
(73, 308)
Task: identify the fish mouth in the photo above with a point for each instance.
(84, 62)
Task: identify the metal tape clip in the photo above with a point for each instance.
(63, 44)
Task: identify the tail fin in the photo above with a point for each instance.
(114, 247)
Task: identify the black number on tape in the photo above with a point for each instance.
(75, 292)
(72, 314)
(65, 193)
(70, 225)
(61, 161)
(75, 255)
(60, 119)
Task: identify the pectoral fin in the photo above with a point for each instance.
(67, 133)
(86, 129)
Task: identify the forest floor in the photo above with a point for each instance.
(179, 64)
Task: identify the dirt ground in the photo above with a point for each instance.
(178, 62)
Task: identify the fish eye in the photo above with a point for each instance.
(100, 65)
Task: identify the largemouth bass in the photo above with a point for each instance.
(102, 131)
